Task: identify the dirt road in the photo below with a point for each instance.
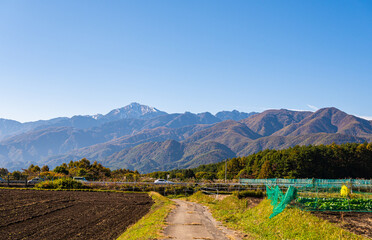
(193, 221)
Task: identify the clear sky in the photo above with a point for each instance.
(64, 58)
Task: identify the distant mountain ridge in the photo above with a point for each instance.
(9, 128)
(147, 139)
(132, 111)
(233, 115)
(33, 142)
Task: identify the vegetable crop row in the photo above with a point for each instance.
(335, 204)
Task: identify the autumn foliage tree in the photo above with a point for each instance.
(350, 160)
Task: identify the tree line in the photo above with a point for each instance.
(81, 168)
(350, 160)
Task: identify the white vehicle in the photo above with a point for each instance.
(162, 181)
(81, 179)
(35, 180)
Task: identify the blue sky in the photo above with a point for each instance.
(63, 58)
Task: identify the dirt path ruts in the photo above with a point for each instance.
(59, 215)
(193, 221)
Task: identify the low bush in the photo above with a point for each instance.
(163, 189)
(63, 183)
(249, 193)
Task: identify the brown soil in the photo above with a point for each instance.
(30, 214)
(252, 202)
(358, 223)
(16, 185)
(189, 221)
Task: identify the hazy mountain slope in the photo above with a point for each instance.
(151, 155)
(270, 121)
(69, 139)
(204, 153)
(212, 144)
(132, 139)
(131, 111)
(282, 142)
(241, 140)
(103, 150)
(170, 154)
(39, 144)
(28, 148)
(230, 133)
(160, 156)
(190, 119)
(8, 127)
(328, 120)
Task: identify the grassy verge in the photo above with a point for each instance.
(151, 224)
(290, 224)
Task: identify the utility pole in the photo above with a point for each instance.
(225, 169)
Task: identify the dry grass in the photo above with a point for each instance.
(290, 224)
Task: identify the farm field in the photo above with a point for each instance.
(356, 222)
(30, 214)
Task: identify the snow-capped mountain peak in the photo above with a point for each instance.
(134, 110)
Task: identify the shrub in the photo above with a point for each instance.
(64, 183)
(249, 193)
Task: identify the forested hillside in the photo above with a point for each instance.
(351, 160)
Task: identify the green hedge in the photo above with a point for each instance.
(64, 183)
(249, 193)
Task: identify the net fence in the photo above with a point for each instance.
(278, 199)
(327, 183)
(346, 195)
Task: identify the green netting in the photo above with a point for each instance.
(321, 198)
(326, 183)
(278, 199)
(319, 194)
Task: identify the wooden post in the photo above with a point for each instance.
(225, 169)
(8, 180)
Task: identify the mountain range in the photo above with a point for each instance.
(147, 139)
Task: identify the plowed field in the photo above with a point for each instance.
(29, 214)
(356, 222)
